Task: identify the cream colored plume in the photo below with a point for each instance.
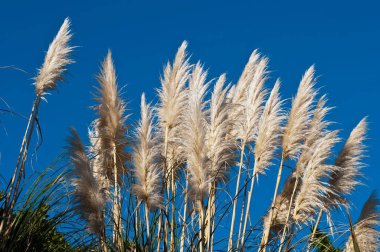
(247, 120)
(194, 134)
(172, 102)
(241, 88)
(317, 129)
(367, 227)
(313, 190)
(96, 158)
(219, 142)
(349, 162)
(88, 200)
(145, 160)
(56, 60)
(299, 117)
(111, 121)
(269, 131)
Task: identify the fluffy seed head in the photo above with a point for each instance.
(313, 189)
(88, 200)
(112, 118)
(248, 118)
(367, 227)
(219, 142)
(269, 131)
(194, 134)
(300, 114)
(349, 162)
(145, 160)
(56, 60)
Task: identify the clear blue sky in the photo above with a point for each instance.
(341, 37)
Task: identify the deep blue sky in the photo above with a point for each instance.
(341, 37)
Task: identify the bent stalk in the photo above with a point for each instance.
(314, 230)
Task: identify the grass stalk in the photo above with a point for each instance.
(288, 214)
(265, 238)
(201, 225)
(184, 226)
(19, 171)
(117, 228)
(314, 230)
(248, 206)
(242, 213)
(236, 196)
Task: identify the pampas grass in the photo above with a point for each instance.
(88, 200)
(56, 60)
(349, 162)
(267, 141)
(175, 173)
(172, 103)
(294, 133)
(112, 129)
(366, 229)
(248, 116)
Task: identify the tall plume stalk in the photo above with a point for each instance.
(220, 145)
(145, 162)
(293, 135)
(195, 149)
(349, 164)
(172, 96)
(112, 130)
(267, 141)
(248, 100)
(366, 229)
(317, 130)
(52, 71)
(89, 201)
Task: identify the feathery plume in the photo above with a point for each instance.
(88, 199)
(316, 130)
(241, 88)
(145, 157)
(247, 122)
(96, 158)
(111, 122)
(366, 228)
(313, 189)
(300, 114)
(194, 134)
(56, 60)
(219, 142)
(269, 131)
(344, 180)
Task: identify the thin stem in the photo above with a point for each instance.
(235, 198)
(117, 229)
(288, 214)
(201, 225)
(184, 227)
(13, 193)
(210, 211)
(242, 213)
(265, 237)
(173, 223)
(160, 219)
(248, 205)
(314, 230)
(147, 224)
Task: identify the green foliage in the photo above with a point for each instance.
(323, 243)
